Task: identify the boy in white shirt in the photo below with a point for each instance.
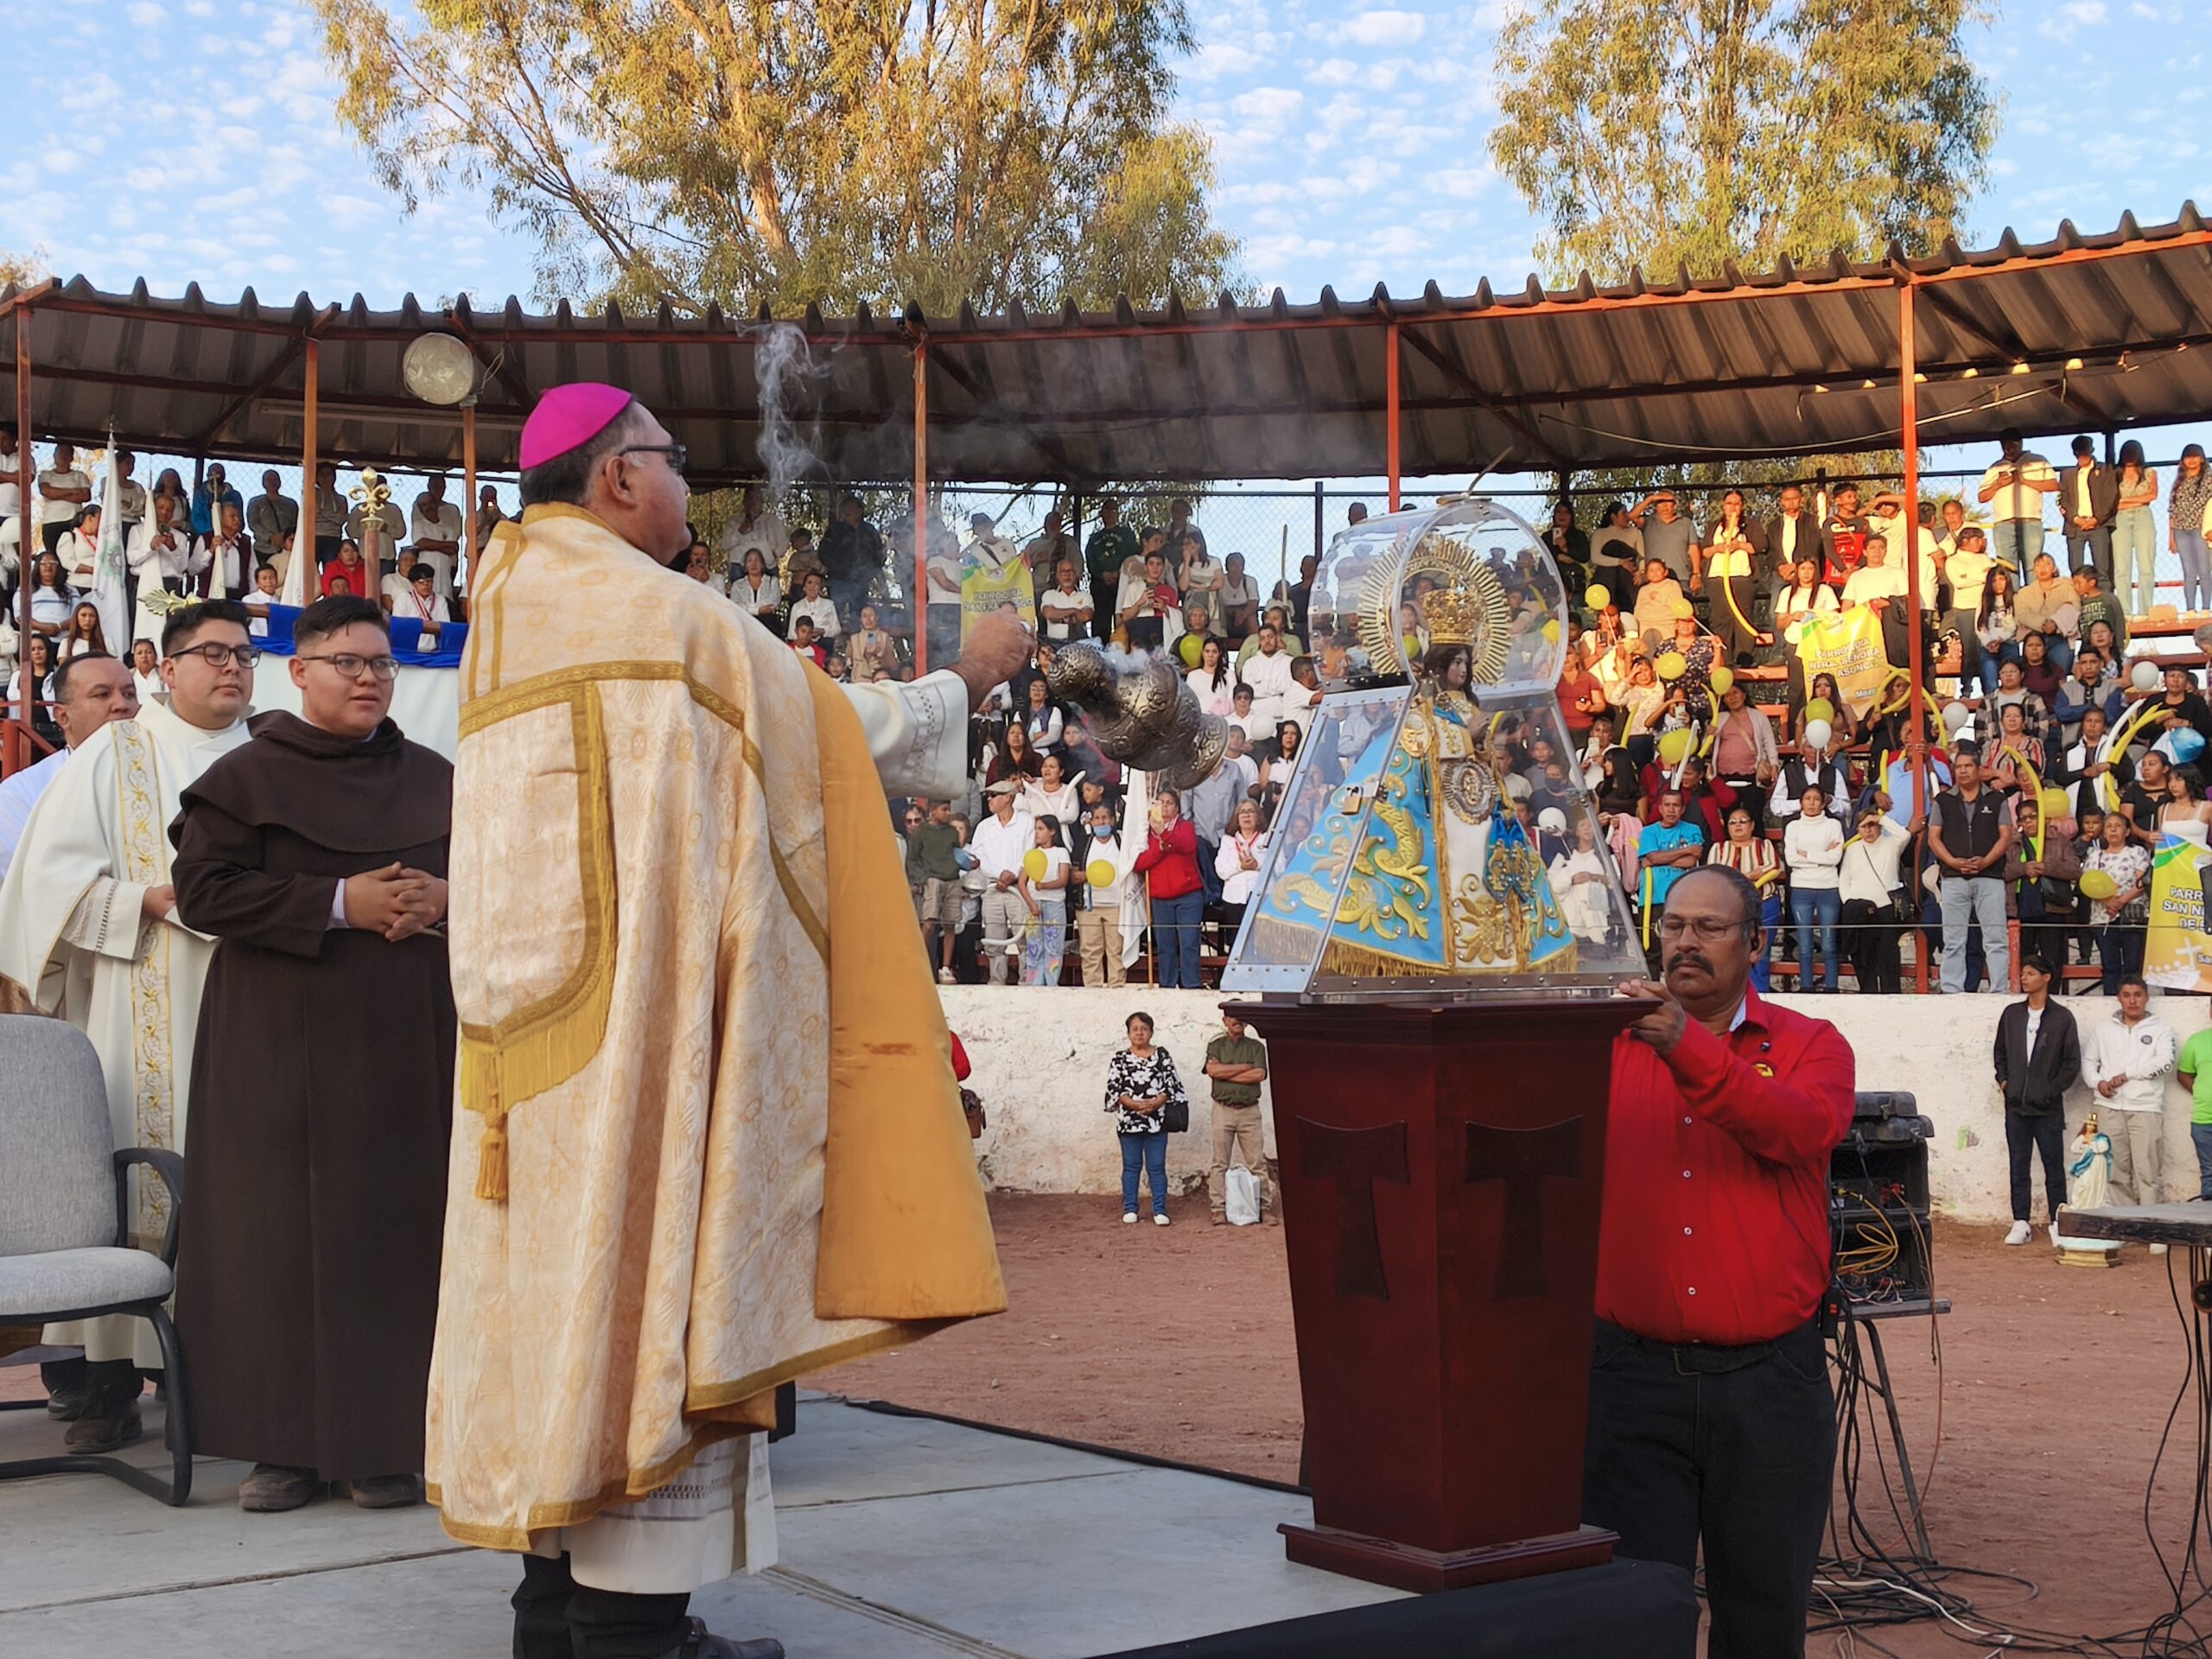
(258, 603)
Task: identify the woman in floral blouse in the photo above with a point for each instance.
(1140, 1081)
(2119, 922)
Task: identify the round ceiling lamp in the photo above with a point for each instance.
(440, 369)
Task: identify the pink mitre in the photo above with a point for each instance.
(568, 418)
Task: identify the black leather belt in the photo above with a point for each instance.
(1700, 1359)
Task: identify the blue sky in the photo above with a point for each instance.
(1350, 141)
(183, 140)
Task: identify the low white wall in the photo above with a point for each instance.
(1040, 1058)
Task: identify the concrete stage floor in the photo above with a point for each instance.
(900, 1538)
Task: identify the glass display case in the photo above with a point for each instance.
(1435, 838)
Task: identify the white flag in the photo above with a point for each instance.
(109, 596)
(1136, 818)
(295, 590)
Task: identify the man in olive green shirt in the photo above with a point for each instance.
(1237, 1063)
(1112, 545)
(2194, 1066)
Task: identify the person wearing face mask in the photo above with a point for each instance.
(1098, 924)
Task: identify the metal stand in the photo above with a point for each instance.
(1870, 1316)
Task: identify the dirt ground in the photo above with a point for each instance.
(2054, 1385)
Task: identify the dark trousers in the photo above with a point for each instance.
(1175, 924)
(1870, 931)
(1741, 1459)
(2026, 1134)
(1103, 596)
(2119, 952)
(555, 1617)
(2090, 550)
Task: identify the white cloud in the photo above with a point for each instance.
(1384, 28)
(1270, 104)
(1218, 58)
(1333, 71)
(97, 91)
(1461, 183)
(145, 14)
(2087, 13)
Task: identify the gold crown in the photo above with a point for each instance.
(1453, 616)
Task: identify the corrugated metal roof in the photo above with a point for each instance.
(2078, 333)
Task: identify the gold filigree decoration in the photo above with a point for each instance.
(1484, 611)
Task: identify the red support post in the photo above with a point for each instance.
(1916, 691)
(921, 602)
(1391, 412)
(303, 537)
(468, 485)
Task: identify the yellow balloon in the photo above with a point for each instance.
(1597, 596)
(1682, 608)
(1670, 665)
(1101, 872)
(1190, 648)
(1675, 746)
(1820, 709)
(2054, 804)
(1722, 678)
(1551, 633)
(1034, 863)
(2098, 884)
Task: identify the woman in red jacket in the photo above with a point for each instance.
(1169, 863)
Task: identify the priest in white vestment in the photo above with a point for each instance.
(88, 928)
(708, 1138)
(88, 692)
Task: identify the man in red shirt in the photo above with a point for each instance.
(1711, 1416)
(1169, 864)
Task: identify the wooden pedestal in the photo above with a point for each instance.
(1442, 1167)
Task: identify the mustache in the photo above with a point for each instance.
(1687, 959)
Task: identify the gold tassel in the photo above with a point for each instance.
(483, 1089)
(491, 1159)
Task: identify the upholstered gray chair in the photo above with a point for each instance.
(64, 1249)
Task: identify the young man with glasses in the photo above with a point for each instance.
(90, 928)
(1711, 1417)
(323, 1090)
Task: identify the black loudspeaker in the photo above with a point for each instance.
(1877, 1204)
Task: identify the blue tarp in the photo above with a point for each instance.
(406, 640)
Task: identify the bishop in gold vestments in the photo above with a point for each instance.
(709, 1138)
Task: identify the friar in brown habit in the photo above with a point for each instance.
(322, 1081)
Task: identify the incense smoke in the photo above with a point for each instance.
(784, 366)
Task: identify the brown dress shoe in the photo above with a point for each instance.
(109, 1432)
(273, 1487)
(386, 1491)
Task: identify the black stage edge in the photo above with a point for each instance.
(1628, 1610)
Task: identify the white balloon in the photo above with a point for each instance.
(1957, 716)
(2145, 675)
(1817, 735)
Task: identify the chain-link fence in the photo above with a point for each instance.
(1272, 526)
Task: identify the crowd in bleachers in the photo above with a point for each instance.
(2039, 607)
(2061, 739)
